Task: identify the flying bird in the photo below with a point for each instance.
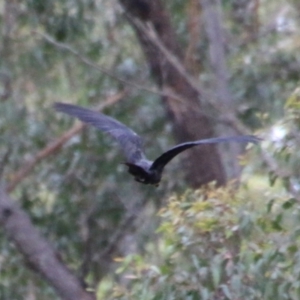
(143, 170)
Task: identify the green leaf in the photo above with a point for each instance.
(289, 203)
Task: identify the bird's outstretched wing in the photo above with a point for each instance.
(162, 160)
(129, 141)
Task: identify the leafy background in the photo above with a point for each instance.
(210, 243)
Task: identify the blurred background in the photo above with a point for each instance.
(200, 234)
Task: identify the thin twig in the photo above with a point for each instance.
(103, 70)
(5, 160)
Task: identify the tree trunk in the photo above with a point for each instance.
(202, 164)
(215, 34)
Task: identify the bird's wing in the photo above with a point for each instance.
(162, 160)
(129, 141)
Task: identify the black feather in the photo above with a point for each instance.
(162, 160)
(130, 142)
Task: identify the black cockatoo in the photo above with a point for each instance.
(143, 170)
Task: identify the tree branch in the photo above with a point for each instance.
(38, 252)
(167, 91)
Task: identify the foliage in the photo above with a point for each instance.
(215, 244)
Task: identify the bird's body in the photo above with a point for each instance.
(143, 170)
(143, 173)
